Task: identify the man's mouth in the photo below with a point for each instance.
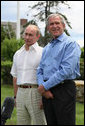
(27, 41)
(55, 30)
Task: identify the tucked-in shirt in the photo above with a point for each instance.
(60, 61)
(25, 64)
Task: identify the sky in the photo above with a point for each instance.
(75, 16)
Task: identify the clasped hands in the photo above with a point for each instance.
(47, 94)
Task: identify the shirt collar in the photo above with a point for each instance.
(60, 38)
(32, 47)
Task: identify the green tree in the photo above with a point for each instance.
(10, 32)
(9, 47)
(7, 32)
(2, 33)
(82, 52)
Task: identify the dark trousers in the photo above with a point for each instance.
(61, 109)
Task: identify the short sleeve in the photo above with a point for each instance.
(13, 71)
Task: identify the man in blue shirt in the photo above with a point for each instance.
(58, 68)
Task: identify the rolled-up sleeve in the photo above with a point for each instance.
(13, 71)
(40, 70)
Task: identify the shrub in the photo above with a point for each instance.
(82, 69)
(9, 47)
(82, 52)
(5, 72)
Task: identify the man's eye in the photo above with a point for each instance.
(30, 35)
(57, 22)
(51, 24)
(26, 34)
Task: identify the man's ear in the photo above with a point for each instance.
(64, 26)
(47, 28)
(38, 36)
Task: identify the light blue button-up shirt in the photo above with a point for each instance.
(60, 61)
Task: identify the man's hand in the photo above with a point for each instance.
(41, 89)
(41, 104)
(48, 94)
(43, 92)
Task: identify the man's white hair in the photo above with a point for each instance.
(55, 15)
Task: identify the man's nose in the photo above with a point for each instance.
(27, 36)
(54, 25)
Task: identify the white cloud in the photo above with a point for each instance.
(81, 43)
(76, 15)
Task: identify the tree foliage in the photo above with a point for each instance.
(9, 47)
(82, 52)
(7, 32)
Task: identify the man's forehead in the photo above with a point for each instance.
(54, 17)
(30, 29)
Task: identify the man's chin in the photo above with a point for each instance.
(29, 44)
(55, 36)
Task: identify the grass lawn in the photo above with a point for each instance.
(7, 90)
(79, 113)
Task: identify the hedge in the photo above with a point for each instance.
(9, 47)
(81, 69)
(7, 78)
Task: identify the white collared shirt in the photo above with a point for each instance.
(25, 64)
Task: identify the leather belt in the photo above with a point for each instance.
(28, 86)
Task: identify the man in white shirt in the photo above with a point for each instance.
(25, 62)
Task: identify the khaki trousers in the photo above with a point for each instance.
(28, 109)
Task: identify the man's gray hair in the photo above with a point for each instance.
(35, 27)
(55, 15)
